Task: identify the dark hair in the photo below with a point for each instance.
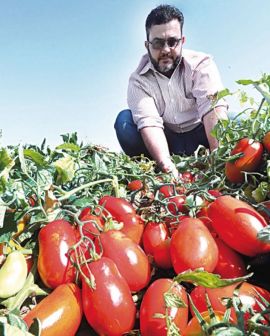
(163, 14)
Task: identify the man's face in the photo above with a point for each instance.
(166, 58)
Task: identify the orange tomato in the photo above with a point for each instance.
(60, 313)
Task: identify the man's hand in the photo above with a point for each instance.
(167, 166)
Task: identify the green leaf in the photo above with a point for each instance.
(206, 279)
(100, 164)
(22, 160)
(5, 159)
(36, 327)
(9, 228)
(173, 301)
(69, 146)
(261, 192)
(15, 320)
(70, 138)
(246, 81)
(65, 168)
(36, 157)
(82, 202)
(264, 91)
(44, 179)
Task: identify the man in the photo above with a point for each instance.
(170, 95)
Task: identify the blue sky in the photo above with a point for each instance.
(65, 64)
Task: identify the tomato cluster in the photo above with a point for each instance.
(125, 260)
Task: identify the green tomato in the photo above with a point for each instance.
(12, 274)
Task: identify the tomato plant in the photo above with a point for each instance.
(60, 313)
(237, 223)
(252, 154)
(154, 302)
(192, 246)
(108, 307)
(54, 264)
(129, 258)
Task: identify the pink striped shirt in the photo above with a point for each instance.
(179, 102)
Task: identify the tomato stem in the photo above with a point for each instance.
(68, 194)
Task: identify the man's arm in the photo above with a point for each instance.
(210, 120)
(156, 143)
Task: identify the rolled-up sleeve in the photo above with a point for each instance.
(142, 105)
(206, 84)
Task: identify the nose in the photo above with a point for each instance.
(166, 49)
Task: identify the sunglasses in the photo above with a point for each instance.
(159, 44)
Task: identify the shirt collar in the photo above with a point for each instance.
(149, 66)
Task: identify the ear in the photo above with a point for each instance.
(183, 39)
(146, 44)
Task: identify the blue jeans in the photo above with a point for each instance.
(132, 143)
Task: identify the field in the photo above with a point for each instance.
(93, 242)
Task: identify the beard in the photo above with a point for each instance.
(165, 64)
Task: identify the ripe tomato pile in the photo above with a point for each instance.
(93, 242)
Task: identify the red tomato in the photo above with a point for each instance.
(116, 206)
(167, 190)
(153, 303)
(60, 312)
(238, 224)
(173, 222)
(230, 263)
(252, 153)
(129, 258)
(266, 141)
(176, 204)
(187, 177)
(133, 226)
(54, 265)
(214, 192)
(109, 308)
(91, 223)
(192, 246)
(153, 234)
(202, 215)
(247, 295)
(162, 256)
(135, 185)
(122, 211)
